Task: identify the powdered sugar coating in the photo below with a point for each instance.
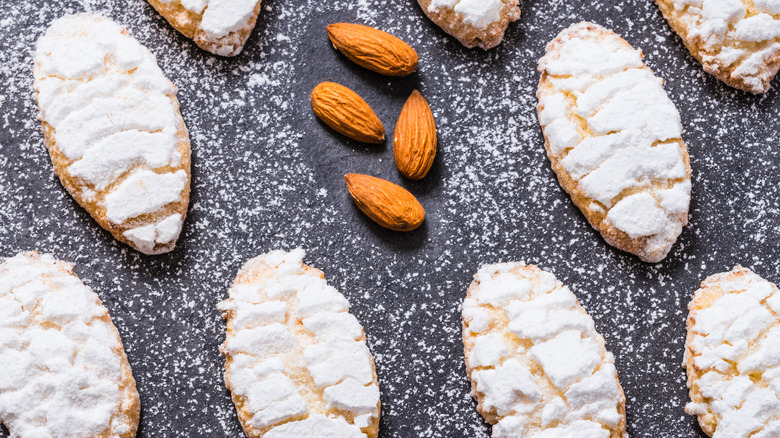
(733, 355)
(64, 373)
(261, 183)
(475, 23)
(116, 137)
(477, 13)
(316, 426)
(736, 40)
(220, 17)
(614, 139)
(296, 359)
(219, 26)
(537, 366)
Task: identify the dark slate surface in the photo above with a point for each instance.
(268, 175)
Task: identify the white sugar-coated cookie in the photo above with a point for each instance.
(112, 126)
(732, 356)
(63, 370)
(297, 364)
(475, 23)
(218, 26)
(738, 41)
(538, 368)
(614, 140)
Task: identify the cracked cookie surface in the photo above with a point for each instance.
(732, 356)
(475, 23)
(112, 126)
(63, 369)
(614, 140)
(217, 26)
(297, 363)
(738, 41)
(538, 368)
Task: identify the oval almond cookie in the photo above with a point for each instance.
(217, 26)
(297, 364)
(613, 138)
(63, 369)
(732, 356)
(537, 366)
(475, 23)
(738, 41)
(112, 126)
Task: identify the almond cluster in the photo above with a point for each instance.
(414, 140)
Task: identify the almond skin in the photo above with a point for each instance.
(347, 113)
(414, 141)
(373, 49)
(387, 204)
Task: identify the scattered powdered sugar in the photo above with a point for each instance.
(268, 175)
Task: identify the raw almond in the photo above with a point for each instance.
(387, 204)
(373, 49)
(414, 142)
(347, 113)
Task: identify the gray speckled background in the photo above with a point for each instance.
(268, 175)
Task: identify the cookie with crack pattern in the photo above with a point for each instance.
(732, 355)
(614, 139)
(217, 26)
(537, 366)
(112, 126)
(737, 41)
(296, 361)
(475, 23)
(63, 369)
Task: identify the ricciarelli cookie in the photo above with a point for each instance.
(63, 370)
(614, 140)
(112, 126)
(475, 23)
(218, 26)
(538, 368)
(732, 356)
(738, 41)
(297, 364)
